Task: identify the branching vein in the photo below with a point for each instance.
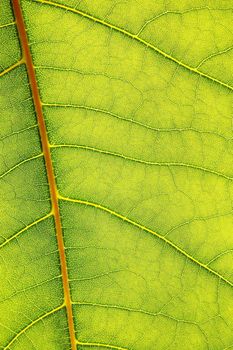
(101, 345)
(137, 38)
(24, 230)
(142, 227)
(40, 318)
(9, 69)
(137, 160)
(20, 163)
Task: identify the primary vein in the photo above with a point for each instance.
(48, 163)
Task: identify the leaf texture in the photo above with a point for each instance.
(116, 177)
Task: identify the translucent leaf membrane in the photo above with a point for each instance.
(137, 101)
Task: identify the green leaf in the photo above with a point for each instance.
(116, 183)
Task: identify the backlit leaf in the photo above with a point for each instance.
(116, 185)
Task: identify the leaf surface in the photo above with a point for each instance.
(116, 182)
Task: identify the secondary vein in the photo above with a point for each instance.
(142, 161)
(144, 228)
(40, 318)
(137, 38)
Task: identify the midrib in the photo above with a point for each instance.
(27, 59)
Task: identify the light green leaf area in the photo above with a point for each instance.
(137, 100)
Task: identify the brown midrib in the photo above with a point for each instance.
(27, 57)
